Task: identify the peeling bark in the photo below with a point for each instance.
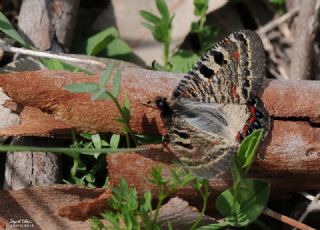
(296, 100)
(47, 25)
(291, 150)
(39, 205)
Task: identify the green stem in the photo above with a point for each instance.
(75, 166)
(204, 207)
(127, 140)
(126, 124)
(202, 22)
(160, 200)
(166, 48)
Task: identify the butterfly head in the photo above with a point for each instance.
(163, 105)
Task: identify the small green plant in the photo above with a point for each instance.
(86, 168)
(125, 207)
(241, 204)
(107, 43)
(99, 91)
(161, 29)
(204, 33)
(244, 202)
(138, 214)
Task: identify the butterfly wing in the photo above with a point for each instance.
(213, 102)
(230, 72)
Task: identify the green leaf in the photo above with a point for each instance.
(96, 140)
(183, 60)
(162, 32)
(248, 148)
(96, 224)
(149, 26)
(127, 102)
(100, 94)
(279, 2)
(54, 64)
(144, 139)
(88, 87)
(114, 142)
(99, 41)
(163, 9)
(118, 49)
(112, 218)
(214, 226)
(116, 84)
(105, 76)
(7, 28)
(200, 7)
(126, 109)
(90, 177)
(238, 175)
(249, 203)
(150, 17)
(146, 205)
(86, 136)
(128, 220)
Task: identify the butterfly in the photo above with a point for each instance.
(216, 105)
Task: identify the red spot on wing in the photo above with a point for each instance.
(236, 55)
(227, 41)
(234, 90)
(252, 119)
(239, 137)
(252, 109)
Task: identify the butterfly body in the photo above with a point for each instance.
(216, 105)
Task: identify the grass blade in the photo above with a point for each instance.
(116, 84)
(105, 76)
(7, 28)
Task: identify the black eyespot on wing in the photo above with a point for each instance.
(187, 146)
(176, 93)
(239, 36)
(251, 100)
(244, 92)
(246, 72)
(246, 83)
(206, 72)
(182, 134)
(258, 114)
(218, 57)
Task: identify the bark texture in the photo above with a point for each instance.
(39, 205)
(291, 150)
(306, 28)
(47, 25)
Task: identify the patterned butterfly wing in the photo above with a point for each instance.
(216, 104)
(230, 72)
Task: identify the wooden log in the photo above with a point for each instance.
(38, 206)
(291, 150)
(295, 100)
(47, 25)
